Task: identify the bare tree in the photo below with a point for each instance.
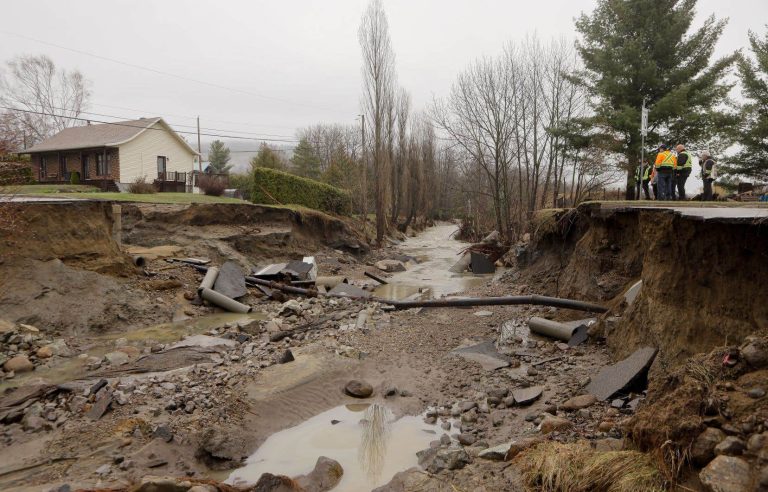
(52, 96)
(378, 96)
(400, 161)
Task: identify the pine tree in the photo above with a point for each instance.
(633, 49)
(305, 162)
(218, 158)
(266, 157)
(752, 160)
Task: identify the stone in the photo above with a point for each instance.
(358, 389)
(497, 418)
(466, 406)
(104, 469)
(730, 446)
(499, 393)
(291, 307)
(390, 266)
(526, 396)
(483, 314)
(163, 432)
(116, 358)
(755, 352)
(437, 460)
(612, 379)
(703, 447)
(517, 447)
(151, 483)
(553, 423)
(44, 352)
(757, 442)
(495, 453)
(325, 476)
(469, 417)
(726, 474)
(608, 444)
(618, 403)
(466, 439)
(578, 402)
(18, 364)
(605, 426)
(100, 407)
(756, 393)
(285, 357)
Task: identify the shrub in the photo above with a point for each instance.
(243, 183)
(276, 187)
(140, 186)
(74, 178)
(211, 185)
(15, 173)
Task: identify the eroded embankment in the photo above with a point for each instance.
(702, 283)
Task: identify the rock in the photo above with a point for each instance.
(497, 418)
(755, 352)
(703, 447)
(532, 371)
(437, 460)
(757, 442)
(469, 417)
(756, 393)
(466, 439)
(18, 364)
(6, 326)
(290, 307)
(553, 423)
(162, 484)
(390, 266)
(285, 357)
(526, 396)
(483, 314)
(33, 423)
(466, 406)
(496, 453)
(726, 474)
(103, 470)
(116, 358)
(608, 444)
(499, 393)
(44, 352)
(618, 403)
(358, 389)
(163, 432)
(730, 446)
(578, 402)
(325, 476)
(605, 426)
(521, 445)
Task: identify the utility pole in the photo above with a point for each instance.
(643, 133)
(199, 149)
(365, 172)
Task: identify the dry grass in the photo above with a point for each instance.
(576, 467)
(377, 423)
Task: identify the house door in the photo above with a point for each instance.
(161, 161)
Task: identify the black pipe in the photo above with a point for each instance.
(374, 277)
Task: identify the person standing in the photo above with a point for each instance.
(666, 163)
(647, 172)
(638, 181)
(655, 182)
(708, 174)
(684, 167)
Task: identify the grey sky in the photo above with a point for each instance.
(301, 55)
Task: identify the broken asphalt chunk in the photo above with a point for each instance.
(526, 396)
(485, 354)
(612, 379)
(230, 281)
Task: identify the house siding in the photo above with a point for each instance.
(138, 157)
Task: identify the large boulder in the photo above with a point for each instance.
(726, 474)
(703, 448)
(325, 476)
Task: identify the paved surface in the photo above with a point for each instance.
(36, 199)
(703, 213)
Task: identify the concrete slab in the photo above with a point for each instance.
(631, 294)
(485, 354)
(350, 290)
(612, 379)
(526, 396)
(231, 280)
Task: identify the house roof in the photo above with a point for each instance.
(101, 135)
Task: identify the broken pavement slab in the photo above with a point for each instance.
(527, 396)
(612, 379)
(485, 354)
(349, 290)
(231, 280)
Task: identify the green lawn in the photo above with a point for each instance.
(46, 189)
(154, 197)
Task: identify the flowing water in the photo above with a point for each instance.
(369, 443)
(436, 251)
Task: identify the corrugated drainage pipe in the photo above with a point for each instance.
(224, 302)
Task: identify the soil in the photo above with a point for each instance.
(200, 411)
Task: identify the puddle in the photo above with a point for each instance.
(439, 251)
(62, 369)
(369, 443)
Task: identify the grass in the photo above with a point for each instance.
(46, 189)
(576, 467)
(154, 197)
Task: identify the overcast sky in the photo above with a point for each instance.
(282, 65)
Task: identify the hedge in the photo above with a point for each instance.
(15, 173)
(280, 188)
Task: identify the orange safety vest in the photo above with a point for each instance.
(666, 160)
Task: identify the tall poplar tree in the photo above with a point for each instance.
(635, 49)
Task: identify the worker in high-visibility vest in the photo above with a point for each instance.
(655, 182)
(684, 167)
(646, 178)
(666, 163)
(708, 174)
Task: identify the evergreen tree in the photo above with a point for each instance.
(752, 160)
(305, 162)
(266, 157)
(633, 49)
(218, 158)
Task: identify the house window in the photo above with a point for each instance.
(85, 166)
(102, 169)
(161, 164)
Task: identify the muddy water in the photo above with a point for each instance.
(437, 251)
(370, 446)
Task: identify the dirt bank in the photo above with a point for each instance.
(701, 284)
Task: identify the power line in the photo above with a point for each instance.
(161, 72)
(237, 137)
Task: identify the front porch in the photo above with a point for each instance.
(99, 167)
